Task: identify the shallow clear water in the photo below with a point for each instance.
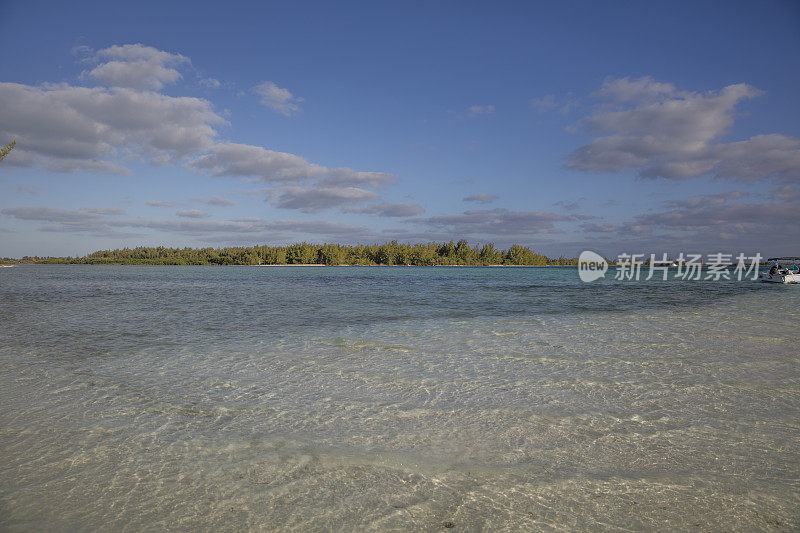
(394, 398)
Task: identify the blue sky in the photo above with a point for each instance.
(614, 126)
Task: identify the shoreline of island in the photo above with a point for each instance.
(392, 253)
(283, 265)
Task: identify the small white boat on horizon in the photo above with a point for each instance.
(779, 272)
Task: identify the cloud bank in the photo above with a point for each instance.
(69, 128)
(481, 198)
(136, 66)
(661, 132)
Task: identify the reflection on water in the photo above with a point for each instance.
(341, 398)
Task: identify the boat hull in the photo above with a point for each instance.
(780, 278)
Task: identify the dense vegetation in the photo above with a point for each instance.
(5, 150)
(390, 253)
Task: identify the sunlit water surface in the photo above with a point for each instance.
(394, 398)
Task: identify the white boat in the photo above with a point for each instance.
(782, 270)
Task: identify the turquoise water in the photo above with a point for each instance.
(394, 398)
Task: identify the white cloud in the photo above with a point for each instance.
(67, 128)
(497, 222)
(387, 210)
(544, 103)
(317, 199)
(710, 222)
(277, 99)
(99, 221)
(641, 90)
(664, 133)
(548, 102)
(600, 228)
(160, 203)
(787, 192)
(211, 83)
(342, 177)
(569, 206)
(316, 227)
(482, 198)
(192, 213)
(708, 200)
(82, 51)
(192, 227)
(136, 66)
(104, 210)
(49, 214)
(216, 200)
(233, 159)
(480, 110)
(760, 156)
(86, 220)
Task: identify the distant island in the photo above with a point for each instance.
(391, 253)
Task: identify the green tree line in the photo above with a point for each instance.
(390, 253)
